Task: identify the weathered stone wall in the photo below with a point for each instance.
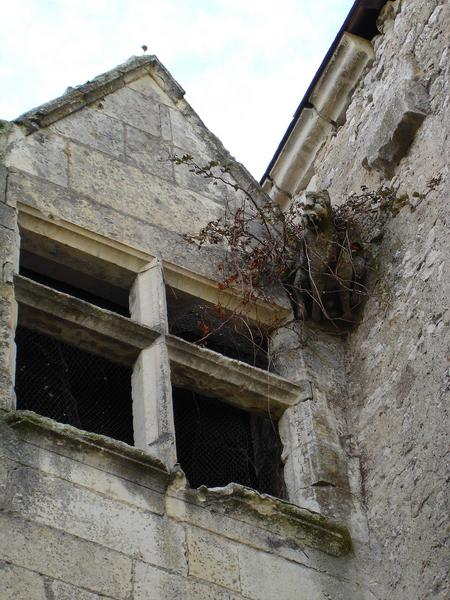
(85, 522)
(106, 165)
(86, 517)
(9, 262)
(396, 419)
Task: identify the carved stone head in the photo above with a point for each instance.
(317, 206)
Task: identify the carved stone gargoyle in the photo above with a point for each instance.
(330, 265)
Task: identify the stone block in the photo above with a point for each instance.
(110, 476)
(3, 179)
(8, 217)
(62, 506)
(166, 127)
(286, 344)
(65, 557)
(154, 584)
(20, 584)
(149, 88)
(95, 129)
(307, 423)
(8, 317)
(43, 154)
(148, 298)
(129, 190)
(212, 558)
(9, 247)
(265, 577)
(391, 133)
(148, 153)
(189, 138)
(133, 108)
(59, 590)
(207, 187)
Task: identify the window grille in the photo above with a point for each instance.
(218, 444)
(72, 386)
(231, 335)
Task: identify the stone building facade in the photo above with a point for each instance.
(96, 270)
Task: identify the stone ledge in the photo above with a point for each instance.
(332, 93)
(298, 527)
(325, 110)
(240, 384)
(294, 167)
(27, 419)
(80, 323)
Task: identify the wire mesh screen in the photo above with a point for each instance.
(218, 444)
(62, 382)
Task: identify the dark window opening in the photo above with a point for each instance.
(70, 281)
(219, 444)
(198, 321)
(60, 381)
(75, 272)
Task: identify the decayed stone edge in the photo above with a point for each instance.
(21, 419)
(299, 525)
(82, 95)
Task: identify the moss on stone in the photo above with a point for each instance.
(24, 419)
(299, 525)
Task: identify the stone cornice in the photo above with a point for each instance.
(82, 95)
(326, 108)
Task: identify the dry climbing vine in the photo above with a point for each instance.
(313, 250)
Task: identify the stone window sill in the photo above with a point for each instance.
(296, 526)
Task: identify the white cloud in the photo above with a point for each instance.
(244, 63)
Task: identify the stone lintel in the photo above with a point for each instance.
(213, 374)
(120, 264)
(80, 323)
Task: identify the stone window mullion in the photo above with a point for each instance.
(154, 429)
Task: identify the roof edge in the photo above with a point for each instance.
(361, 21)
(82, 95)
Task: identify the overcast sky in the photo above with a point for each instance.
(245, 64)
